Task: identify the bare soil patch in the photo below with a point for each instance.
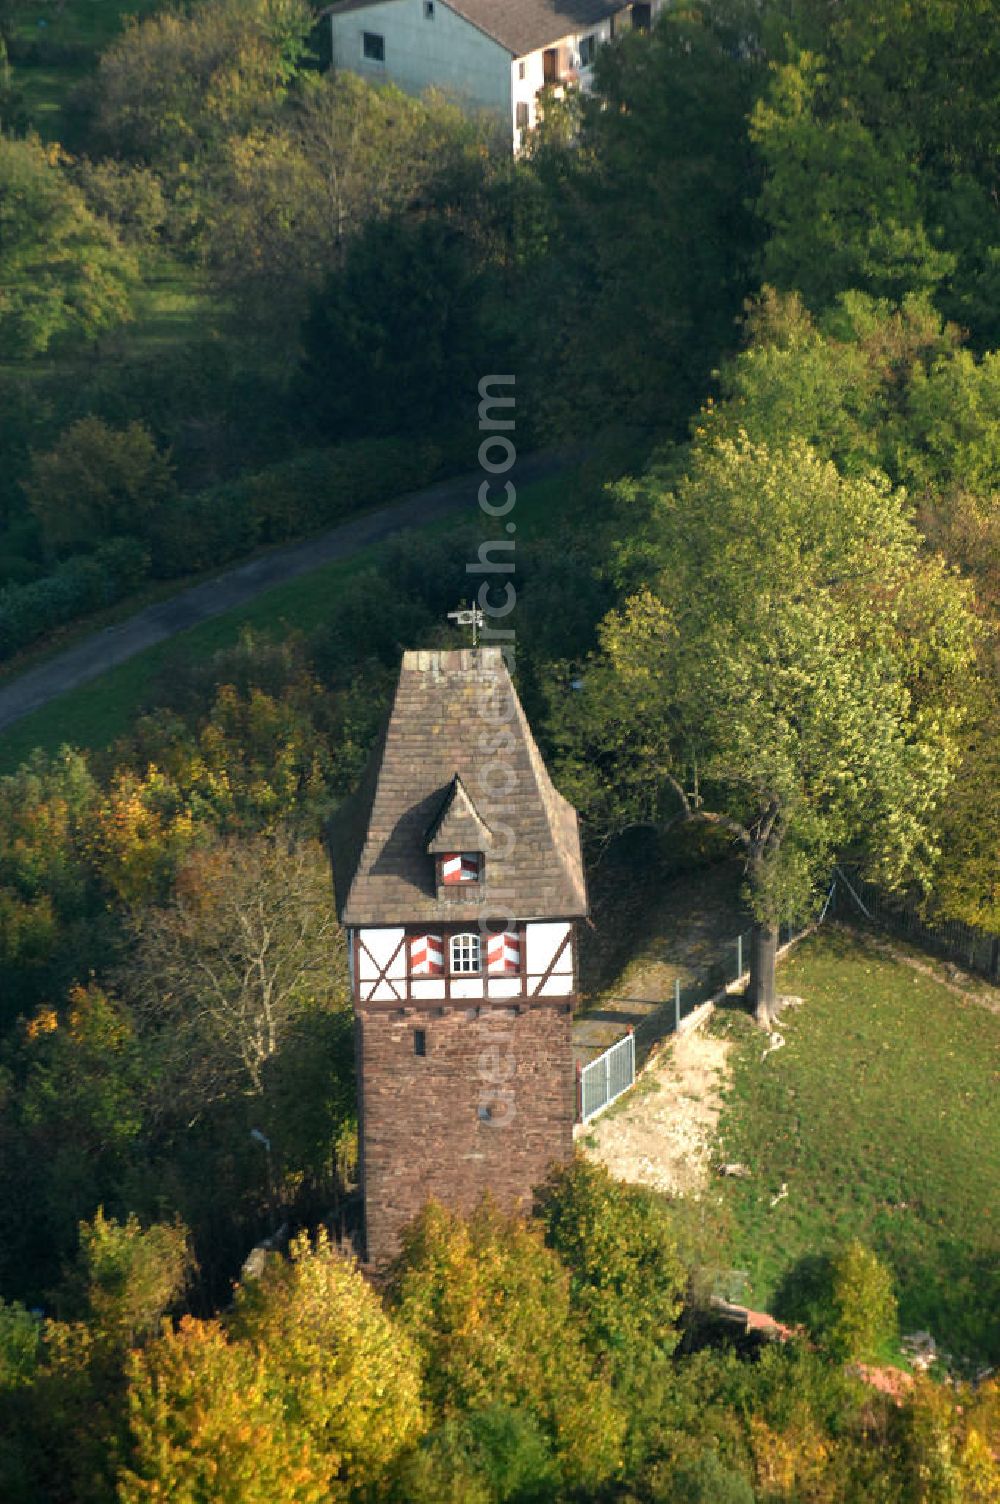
(662, 1135)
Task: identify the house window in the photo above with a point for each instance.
(465, 954)
(373, 46)
(427, 956)
(520, 70)
(587, 51)
(420, 1041)
(521, 115)
(428, 10)
(503, 954)
(461, 867)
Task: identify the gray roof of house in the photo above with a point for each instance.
(520, 26)
(456, 751)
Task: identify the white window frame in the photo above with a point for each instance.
(465, 954)
(590, 43)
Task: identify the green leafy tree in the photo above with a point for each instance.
(63, 271)
(863, 1304)
(289, 197)
(791, 675)
(879, 173)
(489, 1307)
(129, 1275)
(206, 1423)
(404, 315)
(98, 482)
(626, 1281)
(307, 1392)
(175, 86)
(634, 247)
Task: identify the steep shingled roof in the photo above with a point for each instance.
(456, 714)
(520, 26)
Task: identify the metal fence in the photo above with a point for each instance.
(972, 949)
(605, 1079)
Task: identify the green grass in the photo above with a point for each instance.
(880, 1115)
(97, 713)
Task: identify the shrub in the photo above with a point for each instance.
(864, 1305)
(313, 489)
(98, 482)
(84, 583)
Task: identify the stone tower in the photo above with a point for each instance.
(459, 876)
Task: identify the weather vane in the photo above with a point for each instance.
(468, 616)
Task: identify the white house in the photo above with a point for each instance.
(495, 55)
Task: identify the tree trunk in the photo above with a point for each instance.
(763, 964)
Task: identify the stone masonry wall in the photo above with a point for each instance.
(488, 1107)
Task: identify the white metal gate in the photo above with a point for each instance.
(606, 1078)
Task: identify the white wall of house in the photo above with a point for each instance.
(424, 50)
(427, 45)
(527, 74)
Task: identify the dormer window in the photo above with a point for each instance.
(458, 841)
(461, 867)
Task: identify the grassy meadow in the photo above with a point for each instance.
(879, 1118)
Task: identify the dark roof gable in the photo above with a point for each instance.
(456, 756)
(458, 826)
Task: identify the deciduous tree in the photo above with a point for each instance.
(791, 674)
(63, 271)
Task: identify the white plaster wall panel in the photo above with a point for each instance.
(427, 987)
(466, 986)
(504, 986)
(542, 941)
(556, 986)
(374, 951)
(445, 52)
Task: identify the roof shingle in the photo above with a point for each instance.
(456, 716)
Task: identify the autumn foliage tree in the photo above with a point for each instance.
(489, 1308)
(307, 1392)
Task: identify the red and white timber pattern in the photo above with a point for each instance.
(503, 954)
(427, 956)
(462, 867)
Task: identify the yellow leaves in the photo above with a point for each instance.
(45, 1021)
(790, 1464)
(142, 829)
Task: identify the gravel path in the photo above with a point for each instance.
(104, 650)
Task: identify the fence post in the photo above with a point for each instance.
(579, 1092)
(739, 956)
(677, 1005)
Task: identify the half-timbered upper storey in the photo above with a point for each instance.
(457, 865)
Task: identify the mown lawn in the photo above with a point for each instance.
(880, 1115)
(97, 713)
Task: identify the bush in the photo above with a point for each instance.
(864, 1304)
(846, 1300)
(98, 482)
(313, 489)
(85, 583)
